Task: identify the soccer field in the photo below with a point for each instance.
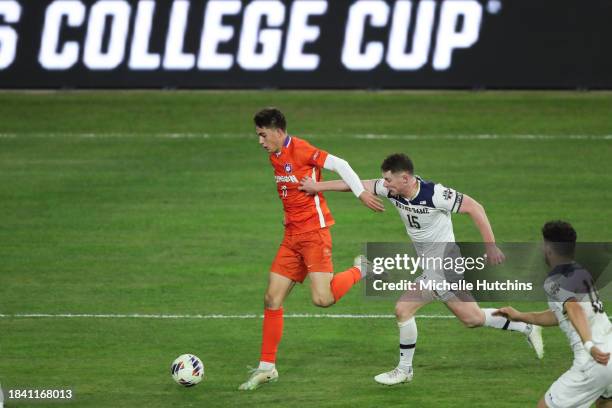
(163, 204)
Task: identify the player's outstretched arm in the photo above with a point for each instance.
(351, 182)
(472, 207)
(545, 318)
(309, 186)
(576, 315)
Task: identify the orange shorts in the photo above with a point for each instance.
(301, 254)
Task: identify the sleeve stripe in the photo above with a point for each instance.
(458, 201)
(318, 202)
(375, 184)
(321, 157)
(455, 203)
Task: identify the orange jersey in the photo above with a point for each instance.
(298, 159)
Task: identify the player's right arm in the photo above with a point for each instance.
(309, 186)
(546, 318)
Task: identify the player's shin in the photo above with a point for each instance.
(499, 322)
(271, 336)
(407, 343)
(342, 282)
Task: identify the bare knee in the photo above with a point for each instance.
(470, 324)
(472, 321)
(403, 312)
(272, 301)
(322, 301)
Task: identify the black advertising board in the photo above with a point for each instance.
(372, 44)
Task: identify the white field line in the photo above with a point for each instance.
(482, 137)
(211, 316)
(369, 136)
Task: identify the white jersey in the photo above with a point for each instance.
(586, 380)
(427, 216)
(569, 281)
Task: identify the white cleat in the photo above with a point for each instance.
(259, 377)
(361, 262)
(394, 377)
(534, 338)
(365, 268)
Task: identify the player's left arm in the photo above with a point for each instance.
(477, 212)
(576, 315)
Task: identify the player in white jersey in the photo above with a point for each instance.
(425, 208)
(575, 306)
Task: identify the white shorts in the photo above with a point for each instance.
(580, 386)
(443, 295)
(441, 250)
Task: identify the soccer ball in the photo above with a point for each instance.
(187, 370)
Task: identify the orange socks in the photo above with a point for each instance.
(343, 281)
(273, 319)
(272, 333)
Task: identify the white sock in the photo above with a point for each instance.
(500, 322)
(408, 336)
(266, 366)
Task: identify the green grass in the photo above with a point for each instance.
(134, 221)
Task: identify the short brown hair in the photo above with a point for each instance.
(271, 118)
(396, 163)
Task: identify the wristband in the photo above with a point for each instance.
(588, 345)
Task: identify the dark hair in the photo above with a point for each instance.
(271, 118)
(397, 162)
(561, 235)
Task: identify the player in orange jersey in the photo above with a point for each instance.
(306, 246)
